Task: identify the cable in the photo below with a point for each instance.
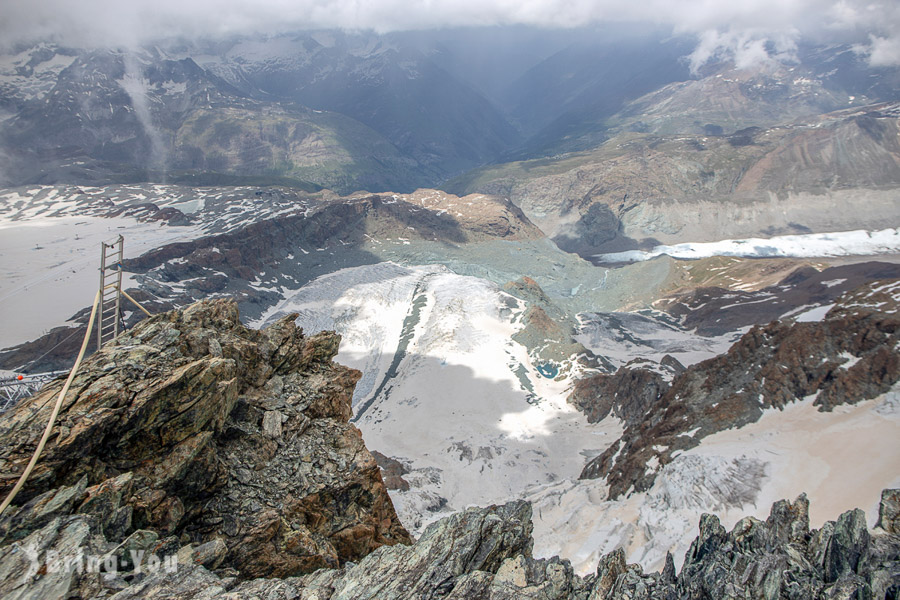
(55, 413)
(34, 360)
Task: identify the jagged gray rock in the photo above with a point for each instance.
(889, 511)
(194, 431)
(484, 554)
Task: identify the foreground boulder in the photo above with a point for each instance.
(228, 445)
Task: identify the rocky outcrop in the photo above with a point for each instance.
(485, 554)
(547, 331)
(714, 310)
(206, 435)
(273, 251)
(848, 357)
(425, 215)
(392, 470)
(627, 394)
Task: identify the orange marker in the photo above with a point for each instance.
(20, 378)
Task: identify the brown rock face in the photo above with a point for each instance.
(627, 393)
(350, 221)
(850, 356)
(200, 429)
(393, 471)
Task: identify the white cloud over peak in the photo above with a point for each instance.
(743, 29)
(884, 52)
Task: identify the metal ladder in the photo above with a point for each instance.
(111, 256)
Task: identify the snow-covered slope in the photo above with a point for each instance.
(839, 243)
(840, 459)
(464, 410)
(50, 265)
(211, 209)
(367, 306)
(621, 337)
(445, 389)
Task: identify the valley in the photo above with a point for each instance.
(453, 345)
(580, 276)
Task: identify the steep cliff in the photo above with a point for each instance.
(193, 430)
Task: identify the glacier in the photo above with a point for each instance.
(811, 245)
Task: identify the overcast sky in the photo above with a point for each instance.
(736, 27)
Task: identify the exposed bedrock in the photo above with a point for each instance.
(485, 554)
(200, 430)
(849, 356)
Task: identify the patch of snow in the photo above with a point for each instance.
(850, 360)
(624, 337)
(833, 282)
(50, 267)
(814, 314)
(840, 243)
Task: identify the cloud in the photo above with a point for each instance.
(743, 29)
(134, 84)
(884, 52)
(745, 48)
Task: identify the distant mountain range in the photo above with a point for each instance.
(353, 111)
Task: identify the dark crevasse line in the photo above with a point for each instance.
(406, 335)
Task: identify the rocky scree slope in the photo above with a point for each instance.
(192, 429)
(850, 356)
(712, 310)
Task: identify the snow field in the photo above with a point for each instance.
(840, 243)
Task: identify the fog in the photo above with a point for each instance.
(746, 30)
